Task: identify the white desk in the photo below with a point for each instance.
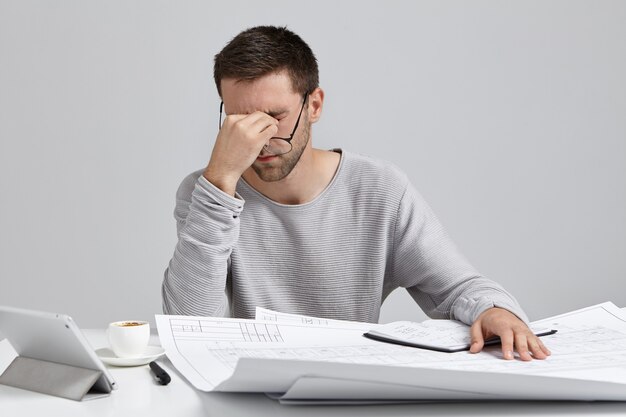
(139, 395)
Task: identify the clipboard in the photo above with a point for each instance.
(417, 336)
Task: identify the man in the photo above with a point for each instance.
(273, 222)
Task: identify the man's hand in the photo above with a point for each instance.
(238, 143)
(513, 332)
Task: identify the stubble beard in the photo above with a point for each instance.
(287, 162)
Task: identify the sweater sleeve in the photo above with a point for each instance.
(207, 221)
(439, 278)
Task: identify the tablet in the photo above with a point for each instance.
(54, 338)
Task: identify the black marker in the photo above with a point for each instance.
(162, 376)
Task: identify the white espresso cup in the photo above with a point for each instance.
(129, 338)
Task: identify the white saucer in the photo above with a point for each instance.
(107, 356)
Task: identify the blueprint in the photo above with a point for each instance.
(286, 353)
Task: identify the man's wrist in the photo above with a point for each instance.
(224, 183)
(216, 195)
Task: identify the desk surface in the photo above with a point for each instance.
(139, 394)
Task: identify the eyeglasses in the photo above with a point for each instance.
(277, 145)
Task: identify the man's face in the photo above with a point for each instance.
(271, 94)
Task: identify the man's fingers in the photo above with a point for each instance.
(233, 118)
(477, 340)
(513, 333)
(239, 142)
(521, 345)
(254, 122)
(537, 348)
(506, 338)
(245, 119)
(246, 134)
(264, 124)
(544, 348)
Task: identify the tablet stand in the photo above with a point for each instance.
(52, 378)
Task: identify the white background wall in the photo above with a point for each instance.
(509, 117)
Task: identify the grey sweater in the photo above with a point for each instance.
(338, 256)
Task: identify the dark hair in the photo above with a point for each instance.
(263, 50)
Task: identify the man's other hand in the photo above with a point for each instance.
(513, 333)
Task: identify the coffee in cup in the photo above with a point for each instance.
(129, 338)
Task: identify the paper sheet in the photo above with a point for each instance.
(208, 351)
(263, 314)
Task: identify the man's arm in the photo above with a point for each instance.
(208, 229)
(446, 285)
(207, 216)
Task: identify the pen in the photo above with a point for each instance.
(162, 376)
